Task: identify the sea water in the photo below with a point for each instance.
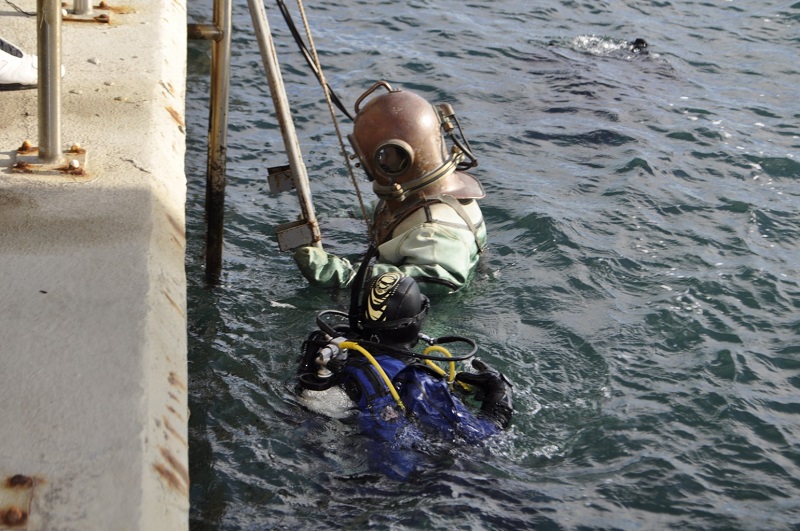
(640, 287)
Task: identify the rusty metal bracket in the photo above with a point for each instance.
(280, 179)
(16, 496)
(203, 32)
(297, 234)
(103, 18)
(72, 164)
(89, 16)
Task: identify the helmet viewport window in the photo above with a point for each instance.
(392, 159)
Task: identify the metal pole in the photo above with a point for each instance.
(82, 7)
(203, 32)
(48, 19)
(217, 139)
(270, 60)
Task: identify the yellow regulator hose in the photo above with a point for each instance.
(358, 348)
(439, 348)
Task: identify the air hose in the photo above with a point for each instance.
(352, 345)
(389, 385)
(439, 348)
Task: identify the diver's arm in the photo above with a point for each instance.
(496, 390)
(327, 270)
(323, 269)
(432, 254)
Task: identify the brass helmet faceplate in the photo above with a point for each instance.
(398, 138)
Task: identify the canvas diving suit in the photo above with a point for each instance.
(428, 224)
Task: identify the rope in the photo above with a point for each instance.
(324, 84)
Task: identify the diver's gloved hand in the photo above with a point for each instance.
(323, 269)
(495, 389)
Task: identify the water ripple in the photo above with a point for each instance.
(640, 287)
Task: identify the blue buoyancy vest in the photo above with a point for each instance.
(431, 408)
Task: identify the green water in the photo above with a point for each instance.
(640, 286)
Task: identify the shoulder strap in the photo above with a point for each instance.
(456, 205)
(452, 202)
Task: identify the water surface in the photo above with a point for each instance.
(640, 286)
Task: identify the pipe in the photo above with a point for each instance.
(199, 32)
(82, 7)
(277, 89)
(48, 22)
(217, 139)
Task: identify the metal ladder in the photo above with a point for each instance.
(293, 176)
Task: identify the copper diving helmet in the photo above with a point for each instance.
(399, 138)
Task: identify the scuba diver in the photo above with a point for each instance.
(401, 397)
(427, 224)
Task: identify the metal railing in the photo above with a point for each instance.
(82, 7)
(48, 22)
(51, 158)
(220, 36)
(47, 158)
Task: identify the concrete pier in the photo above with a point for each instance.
(93, 368)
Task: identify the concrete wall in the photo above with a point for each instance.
(93, 375)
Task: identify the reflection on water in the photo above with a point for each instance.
(640, 286)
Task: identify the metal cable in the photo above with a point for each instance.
(287, 17)
(333, 114)
(18, 9)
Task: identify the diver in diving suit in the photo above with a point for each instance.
(400, 400)
(427, 224)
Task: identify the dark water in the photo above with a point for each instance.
(640, 287)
